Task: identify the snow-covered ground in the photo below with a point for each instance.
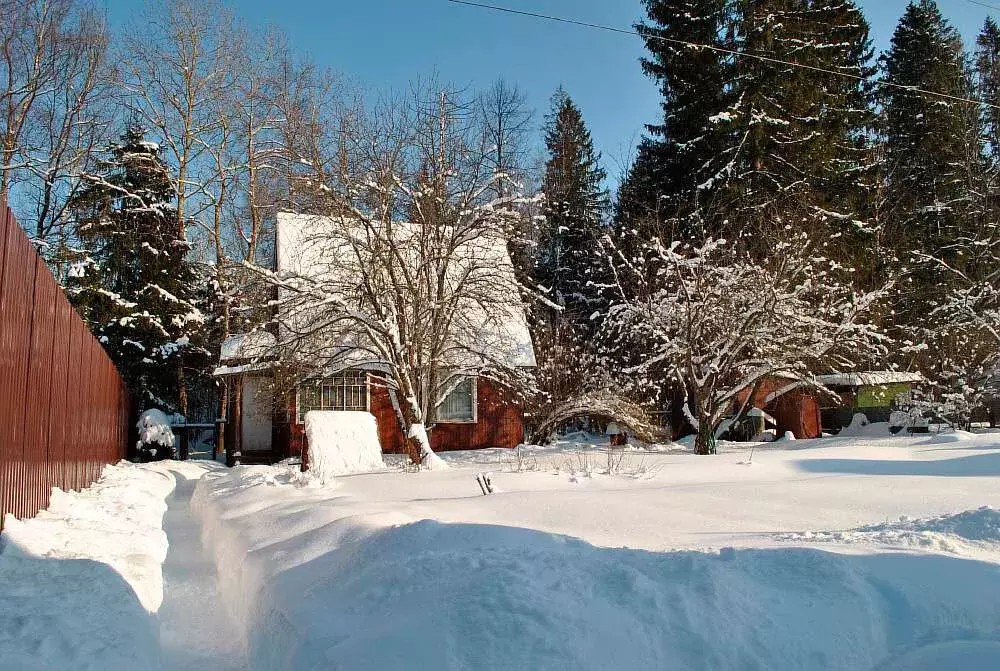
(812, 555)
(113, 577)
(867, 552)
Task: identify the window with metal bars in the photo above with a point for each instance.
(344, 391)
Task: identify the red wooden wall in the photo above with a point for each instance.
(500, 423)
(797, 411)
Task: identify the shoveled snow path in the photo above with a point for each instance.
(196, 632)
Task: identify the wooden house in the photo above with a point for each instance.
(265, 425)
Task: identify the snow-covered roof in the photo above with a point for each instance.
(870, 378)
(240, 369)
(251, 345)
(306, 246)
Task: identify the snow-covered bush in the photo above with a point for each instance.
(156, 438)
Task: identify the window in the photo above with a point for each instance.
(343, 391)
(460, 404)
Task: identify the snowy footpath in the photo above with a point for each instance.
(114, 577)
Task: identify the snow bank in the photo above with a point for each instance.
(321, 583)
(341, 443)
(860, 427)
(81, 579)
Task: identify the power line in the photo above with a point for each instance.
(983, 4)
(731, 52)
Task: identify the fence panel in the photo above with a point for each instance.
(63, 406)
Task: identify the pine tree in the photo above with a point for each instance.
(748, 147)
(683, 151)
(132, 282)
(988, 71)
(575, 203)
(931, 145)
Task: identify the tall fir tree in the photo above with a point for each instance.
(575, 205)
(746, 146)
(132, 281)
(931, 145)
(661, 192)
(988, 77)
(568, 268)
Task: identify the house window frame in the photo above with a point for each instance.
(474, 382)
(300, 415)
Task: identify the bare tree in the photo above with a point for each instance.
(178, 62)
(408, 270)
(55, 81)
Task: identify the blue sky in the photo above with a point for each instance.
(385, 43)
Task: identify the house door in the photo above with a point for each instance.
(257, 410)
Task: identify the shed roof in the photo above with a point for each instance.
(870, 378)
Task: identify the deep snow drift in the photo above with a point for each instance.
(83, 581)
(573, 563)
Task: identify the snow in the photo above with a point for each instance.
(341, 443)
(154, 428)
(82, 579)
(251, 345)
(110, 578)
(666, 560)
(872, 552)
(870, 378)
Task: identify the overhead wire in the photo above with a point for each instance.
(731, 52)
(983, 4)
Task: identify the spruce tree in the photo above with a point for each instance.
(132, 281)
(988, 71)
(931, 145)
(575, 204)
(676, 162)
(747, 146)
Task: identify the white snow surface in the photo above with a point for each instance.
(875, 553)
(341, 443)
(659, 560)
(82, 579)
(92, 582)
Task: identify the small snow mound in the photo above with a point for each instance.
(947, 532)
(433, 462)
(341, 443)
(789, 435)
(154, 428)
(860, 426)
(956, 436)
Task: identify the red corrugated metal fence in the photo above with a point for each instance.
(63, 406)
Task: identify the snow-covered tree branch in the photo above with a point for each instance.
(715, 322)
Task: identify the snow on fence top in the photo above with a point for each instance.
(328, 249)
(341, 443)
(869, 378)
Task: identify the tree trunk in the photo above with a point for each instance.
(705, 442)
